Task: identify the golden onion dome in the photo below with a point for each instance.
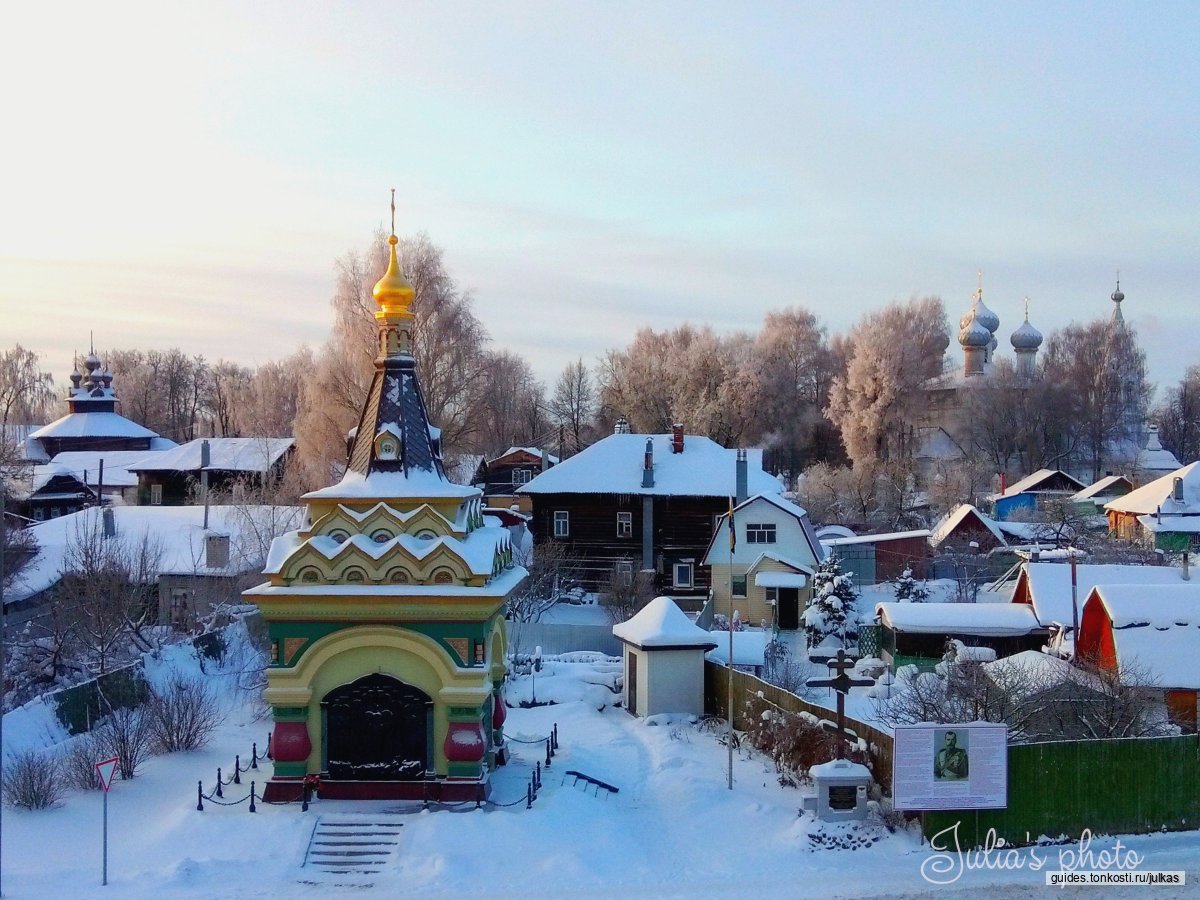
(393, 292)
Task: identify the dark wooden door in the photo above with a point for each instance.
(789, 608)
(376, 729)
(632, 686)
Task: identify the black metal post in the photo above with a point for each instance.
(252, 808)
(237, 769)
(269, 756)
(479, 796)
(254, 758)
(548, 753)
(200, 796)
(554, 736)
(304, 804)
(529, 795)
(537, 778)
(219, 794)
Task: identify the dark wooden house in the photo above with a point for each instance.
(499, 478)
(171, 478)
(642, 503)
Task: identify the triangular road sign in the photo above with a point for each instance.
(106, 770)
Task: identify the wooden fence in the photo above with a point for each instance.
(747, 688)
(1117, 786)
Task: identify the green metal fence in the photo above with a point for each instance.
(1128, 785)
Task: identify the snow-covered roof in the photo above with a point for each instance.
(1160, 493)
(94, 425)
(661, 624)
(116, 465)
(749, 647)
(983, 619)
(1031, 482)
(414, 483)
(614, 466)
(1156, 631)
(1183, 524)
(1049, 585)
(1099, 488)
(532, 451)
(828, 532)
(875, 538)
(945, 527)
(175, 533)
(256, 454)
(779, 558)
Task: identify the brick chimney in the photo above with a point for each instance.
(677, 438)
(648, 465)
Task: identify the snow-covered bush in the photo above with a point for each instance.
(795, 742)
(33, 780)
(126, 733)
(79, 760)
(833, 600)
(908, 589)
(183, 715)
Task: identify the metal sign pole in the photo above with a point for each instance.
(104, 880)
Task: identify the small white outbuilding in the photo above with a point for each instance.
(664, 660)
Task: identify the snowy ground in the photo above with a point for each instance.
(674, 830)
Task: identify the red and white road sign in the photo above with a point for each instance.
(106, 770)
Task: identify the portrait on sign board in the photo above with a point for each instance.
(951, 759)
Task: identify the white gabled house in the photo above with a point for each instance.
(765, 576)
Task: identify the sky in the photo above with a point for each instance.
(187, 174)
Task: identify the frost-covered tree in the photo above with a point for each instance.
(896, 349)
(833, 602)
(908, 589)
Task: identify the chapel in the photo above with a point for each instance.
(385, 609)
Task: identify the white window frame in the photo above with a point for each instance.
(625, 571)
(521, 476)
(624, 524)
(156, 494)
(562, 523)
(691, 575)
(761, 532)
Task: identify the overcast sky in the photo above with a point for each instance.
(185, 174)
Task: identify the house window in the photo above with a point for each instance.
(441, 576)
(738, 585)
(562, 523)
(522, 476)
(156, 495)
(216, 551)
(682, 575)
(180, 606)
(625, 572)
(624, 524)
(763, 533)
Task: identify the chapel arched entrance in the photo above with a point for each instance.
(377, 728)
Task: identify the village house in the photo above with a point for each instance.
(764, 574)
(197, 559)
(637, 502)
(172, 478)
(1033, 493)
(1046, 588)
(875, 558)
(1164, 514)
(1150, 636)
(966, 527)
(499, 478)
(919, 633)
(1091, 500)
